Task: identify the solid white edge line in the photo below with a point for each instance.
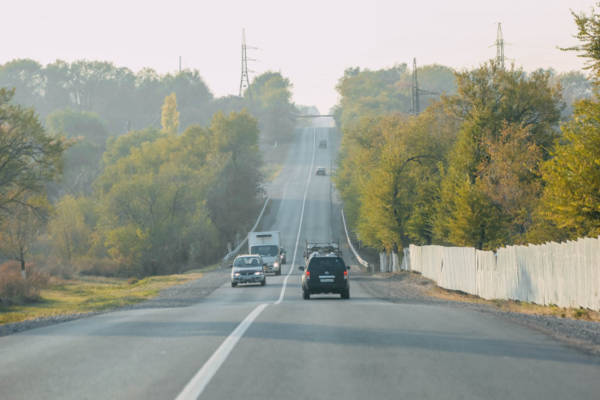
(310, 172)
(197, 384)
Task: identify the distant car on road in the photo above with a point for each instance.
(248, 269)
(323, 144)
(321, 171)
(325, 274)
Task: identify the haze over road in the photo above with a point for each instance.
(291, 348)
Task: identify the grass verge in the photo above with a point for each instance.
(516, 305)
(90, 293)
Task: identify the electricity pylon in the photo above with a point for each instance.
(416, 92)
(244, 80)
(500, 47)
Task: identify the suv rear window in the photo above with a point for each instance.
(319, 265)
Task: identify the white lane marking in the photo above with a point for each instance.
(310, 173)
(198, 383)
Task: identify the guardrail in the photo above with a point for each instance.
(356, 255)
(239, 246)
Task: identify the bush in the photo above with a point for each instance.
(16, 290)
(100, 267)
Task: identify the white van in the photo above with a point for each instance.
(268, 246)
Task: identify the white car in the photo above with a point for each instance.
(248, 269)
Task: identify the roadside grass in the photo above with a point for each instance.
(516, 305)
(93, 293)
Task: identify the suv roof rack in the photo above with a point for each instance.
(322, 248)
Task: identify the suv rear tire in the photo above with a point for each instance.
(233, 284)
(306, 295)
(345, 294)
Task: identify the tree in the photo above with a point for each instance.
(574, 86)
(193, 96)
(269, 99)
(588, 33)
(29, 158)
(170, 116)
(83, 159)
(234, 198)
(571, 199)
(26, 77)
(502, 111)
(380, 92)
(70, 231)
(20, 228)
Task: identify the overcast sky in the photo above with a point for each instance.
(311, 42)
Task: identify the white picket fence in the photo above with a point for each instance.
(566, 274)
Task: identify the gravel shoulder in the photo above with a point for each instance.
(412, 288)
(182, 295)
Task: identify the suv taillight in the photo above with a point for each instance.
(345, 274)
(307, 274)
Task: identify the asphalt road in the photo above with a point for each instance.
(267, 343)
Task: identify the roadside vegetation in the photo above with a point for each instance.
(87, 294)
(106, 172)
(500, 157)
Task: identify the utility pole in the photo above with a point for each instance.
(500, 47)
(245, 80)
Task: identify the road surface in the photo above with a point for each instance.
(268, 343)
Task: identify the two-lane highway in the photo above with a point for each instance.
(268, 343)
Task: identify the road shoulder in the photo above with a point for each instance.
(412, 288)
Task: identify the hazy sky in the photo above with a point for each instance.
(310, 42)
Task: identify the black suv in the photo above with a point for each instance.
(325, 274)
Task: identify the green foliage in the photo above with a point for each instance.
(81, 125)
(161, 198)
(574, 86)
(465, 171)
(83, 159)
(70, 227)
(371, 93)
(21, 226)
(571, 199)
(122, 98)
(588, 33)
(269, 99)
(29, 158)
(389, 175)
(236, 193)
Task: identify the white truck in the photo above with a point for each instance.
(268, 246)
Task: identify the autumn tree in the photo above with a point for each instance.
(501, 111)
(169, 115)
(21, 226)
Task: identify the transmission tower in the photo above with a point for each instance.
(500, 47)
(415, 90)
(244, 81)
